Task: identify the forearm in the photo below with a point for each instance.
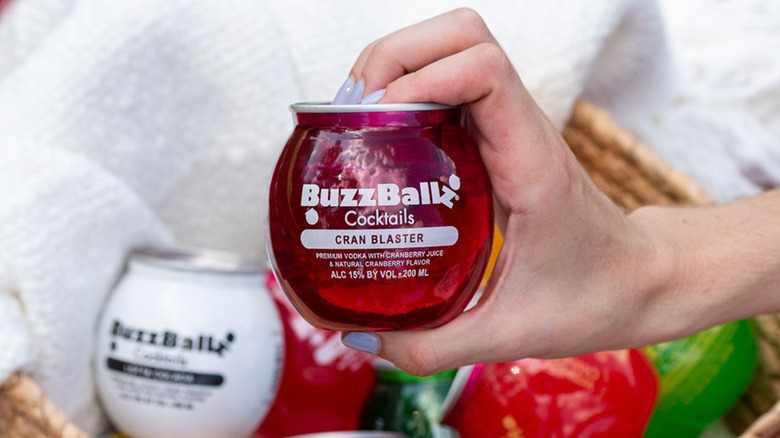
(721, 263)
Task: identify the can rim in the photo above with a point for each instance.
(327, 107)
(197, 260)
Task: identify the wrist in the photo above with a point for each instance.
(660, 279)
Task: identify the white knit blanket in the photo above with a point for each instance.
(129, 122)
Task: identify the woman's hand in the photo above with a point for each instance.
(575, 274)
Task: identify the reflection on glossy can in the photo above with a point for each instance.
(380, 216)
(189, 344)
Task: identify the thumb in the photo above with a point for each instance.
(424, 352)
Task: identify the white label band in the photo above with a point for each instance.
(380, 239)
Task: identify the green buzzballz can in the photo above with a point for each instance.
(701, 378)
(409, 404)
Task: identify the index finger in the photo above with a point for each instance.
(399, 53)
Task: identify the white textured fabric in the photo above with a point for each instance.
(721, 122)
(127, 122)
(65, 225)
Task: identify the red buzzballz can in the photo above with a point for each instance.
(380, 216)
(323, 385)
(609, 394)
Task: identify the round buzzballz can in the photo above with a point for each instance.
(600, 395)
(189, 344)
(324, 383)
(380, 216)
(702, 377)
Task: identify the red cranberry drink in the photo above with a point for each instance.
(380, 216)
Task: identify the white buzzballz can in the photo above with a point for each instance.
(189, 344)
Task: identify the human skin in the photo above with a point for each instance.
(575, 274)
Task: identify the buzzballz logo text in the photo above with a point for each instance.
(169, 339)
(383, 195)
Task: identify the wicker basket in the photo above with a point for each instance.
(624, 168)
(25, 412)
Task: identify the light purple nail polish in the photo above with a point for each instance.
(362, 341)
(357, 92)
(344, 91)
(374, 97)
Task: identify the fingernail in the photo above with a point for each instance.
(357, 93)
(344, 91)
(374, 97)
(362, 341)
